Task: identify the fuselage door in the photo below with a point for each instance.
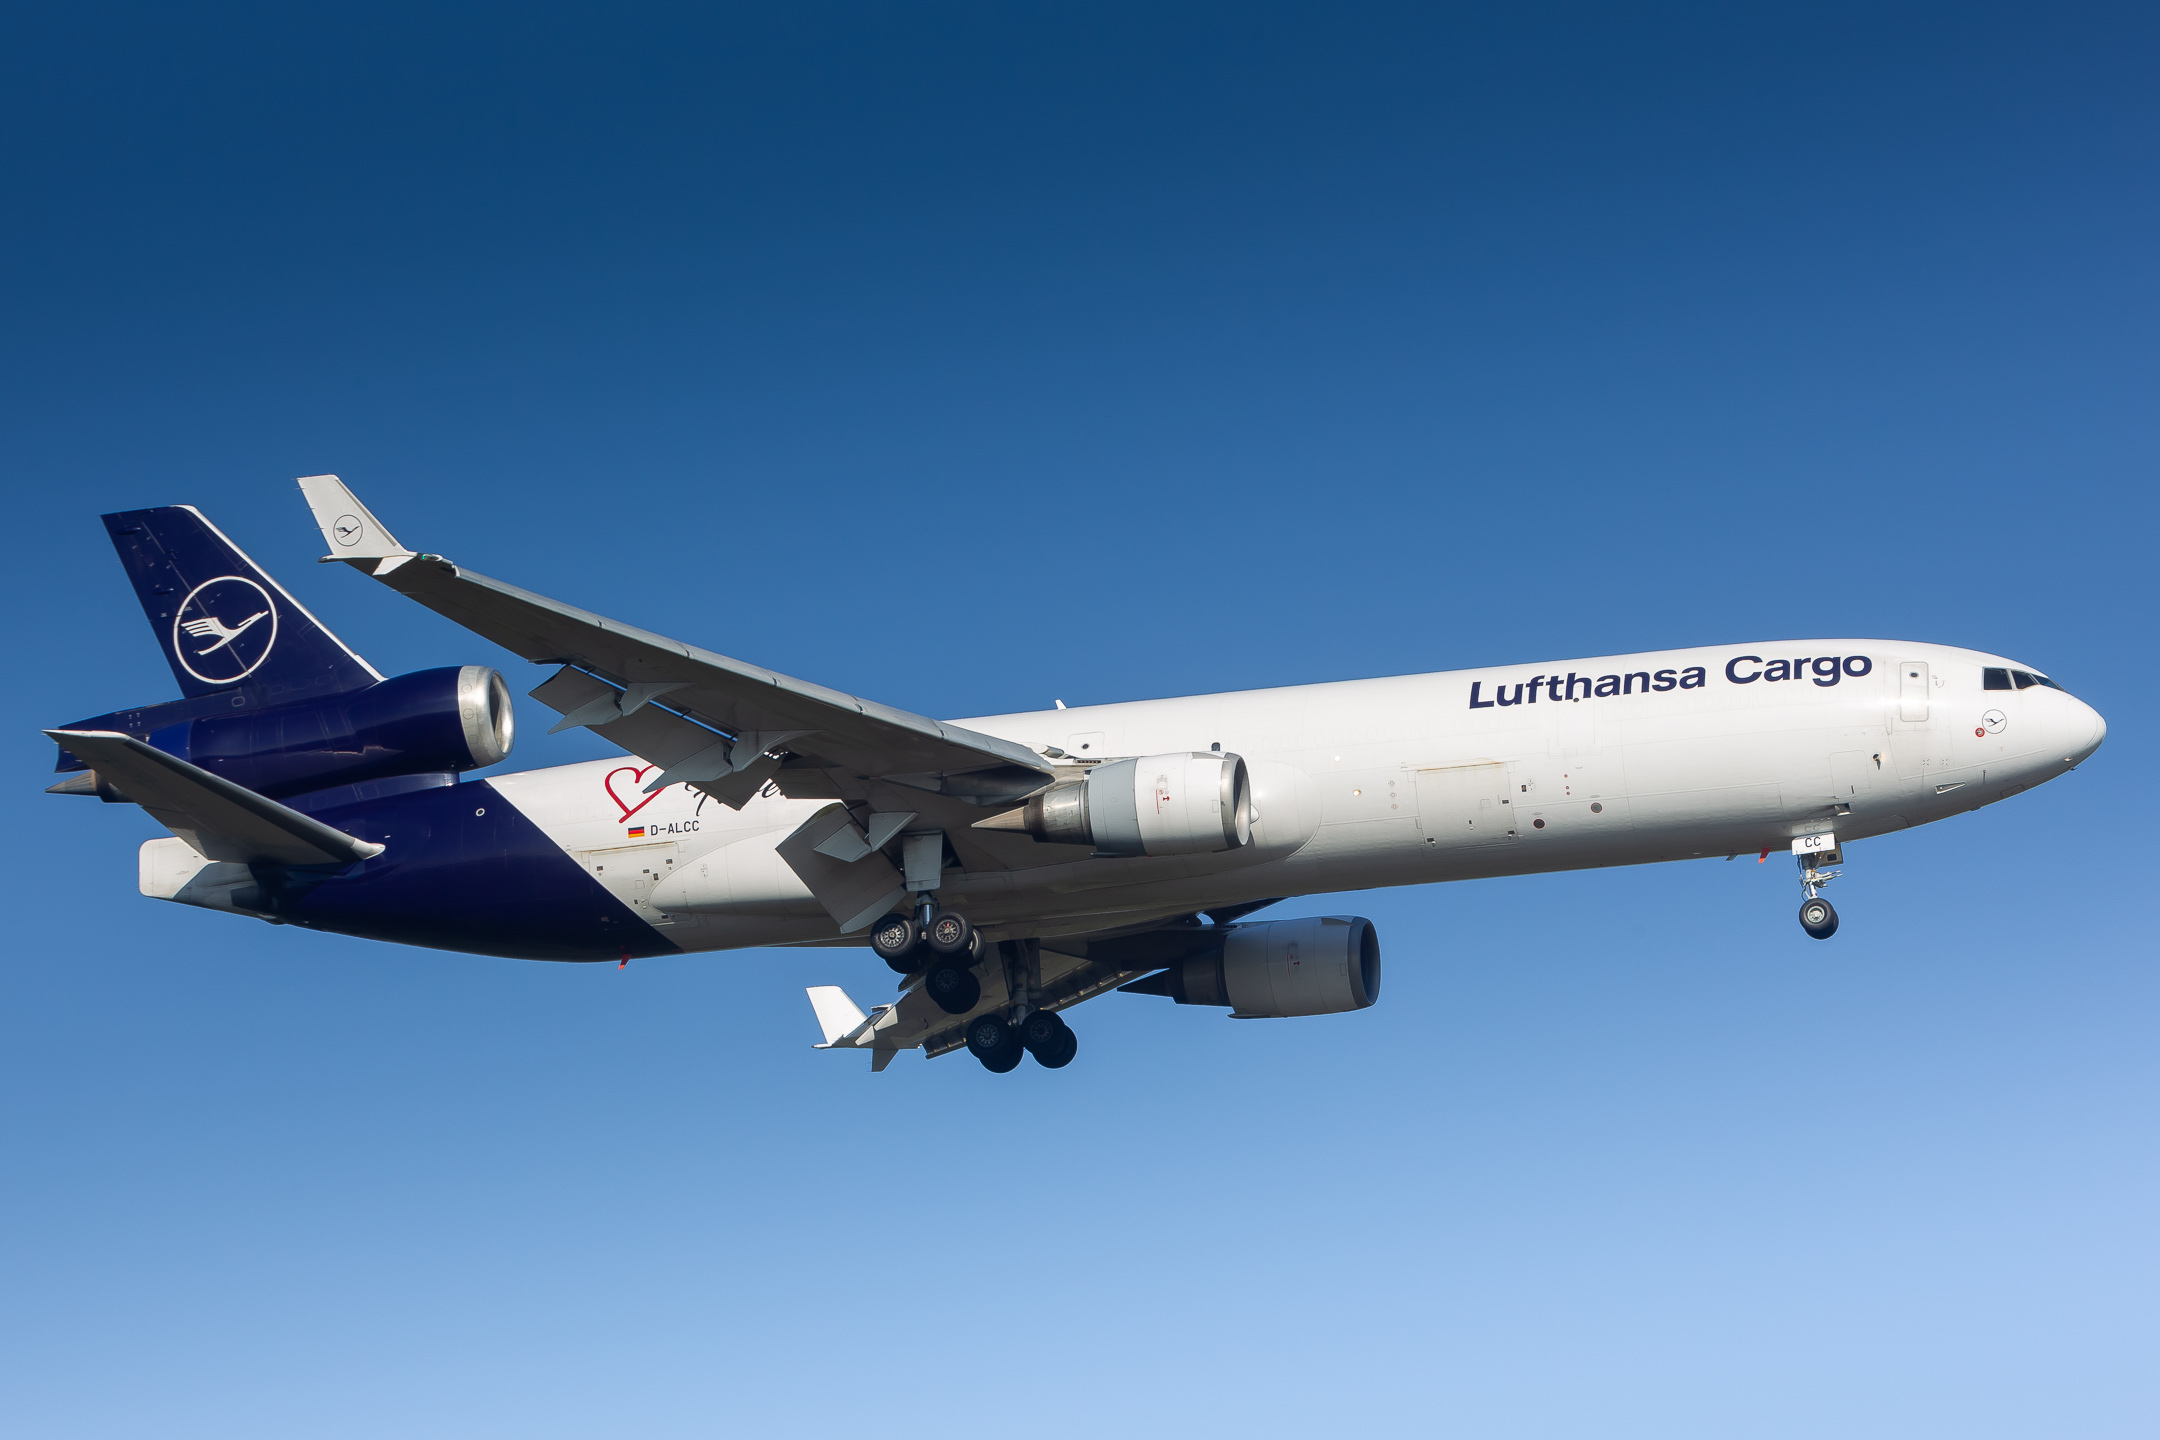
(629, 872)
(1465, 806)
(1913, 690)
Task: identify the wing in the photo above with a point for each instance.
(708, 720)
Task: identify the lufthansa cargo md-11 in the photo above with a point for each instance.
(1006, 867)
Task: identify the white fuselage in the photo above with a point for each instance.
(1406, 781)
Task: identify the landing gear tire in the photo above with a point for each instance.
(1049, 1039)
(1818, 919)
(893, 938)
(953, 987)
(948, 932)
(1043, 1030)
(992, 1041)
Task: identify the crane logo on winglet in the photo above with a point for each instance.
(218, 632)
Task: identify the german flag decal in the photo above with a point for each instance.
(637, 832)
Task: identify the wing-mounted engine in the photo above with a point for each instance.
(1275, 969)
(1192, 803)
(430, 722)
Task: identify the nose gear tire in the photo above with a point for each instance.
(1818, 919)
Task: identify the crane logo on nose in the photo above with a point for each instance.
(1992, 723)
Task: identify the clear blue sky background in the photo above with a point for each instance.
(971, 356)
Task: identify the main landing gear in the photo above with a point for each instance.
(1817, 916)
(1043, 1034)
(942, 947)
(946, 951)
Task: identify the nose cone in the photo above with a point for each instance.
(2094, 730)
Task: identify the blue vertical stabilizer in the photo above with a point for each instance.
(225, 626)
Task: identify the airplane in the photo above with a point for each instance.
(1007, 867)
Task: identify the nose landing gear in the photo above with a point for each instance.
(1817, 916)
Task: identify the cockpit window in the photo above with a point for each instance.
(2024, 679)
(1995, 677)
(2049, 683)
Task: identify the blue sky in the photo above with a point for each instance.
(968, 357)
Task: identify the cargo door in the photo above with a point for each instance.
(1464, 807)
(629, 872)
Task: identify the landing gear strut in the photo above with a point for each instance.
(1817, 916)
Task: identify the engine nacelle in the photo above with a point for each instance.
(428, 722)
(1193, 803)
(1279, 968)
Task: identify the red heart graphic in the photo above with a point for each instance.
(635, 775)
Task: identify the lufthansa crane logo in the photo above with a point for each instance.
(224, 630)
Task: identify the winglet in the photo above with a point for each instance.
(838, 1016)
(349, 528)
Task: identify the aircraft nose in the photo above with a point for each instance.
(2097, 733)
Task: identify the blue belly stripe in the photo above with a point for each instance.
(454, 879)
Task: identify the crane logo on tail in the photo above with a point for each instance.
(225, 629)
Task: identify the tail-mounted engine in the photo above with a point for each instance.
(1276, 969)
(429, 722)
(1194, 803)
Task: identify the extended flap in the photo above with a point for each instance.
(854, 893)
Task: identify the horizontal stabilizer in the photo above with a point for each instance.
(838, 1016)
(221, 820)
(847, 1028)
